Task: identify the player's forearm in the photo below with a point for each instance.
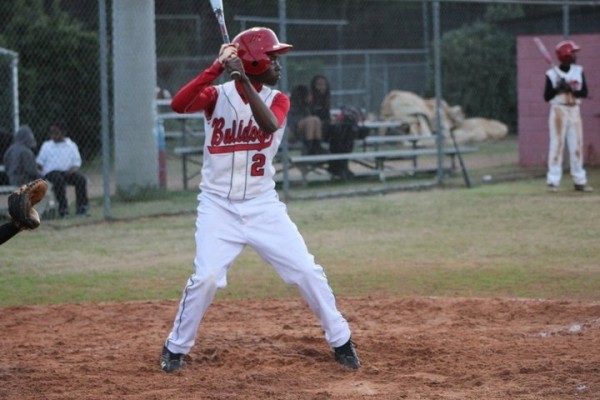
(262, 114)
(188, 98)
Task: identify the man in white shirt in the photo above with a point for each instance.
(60, 160)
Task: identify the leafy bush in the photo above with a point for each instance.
(58, 74)
(479, 72)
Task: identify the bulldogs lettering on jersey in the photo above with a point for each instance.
(238, 155)
(237, 137)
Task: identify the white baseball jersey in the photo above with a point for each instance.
(574, 77)
(238, 155)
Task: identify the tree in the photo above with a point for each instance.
(58, 73)
(478, 71)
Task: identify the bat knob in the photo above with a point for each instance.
(235, 75)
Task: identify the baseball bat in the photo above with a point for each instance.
(463, 168)
(544, 51)
(217, 6)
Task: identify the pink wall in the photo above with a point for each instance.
(533, 110)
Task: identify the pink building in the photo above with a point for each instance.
(533, 110)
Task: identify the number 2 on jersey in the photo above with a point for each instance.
(258, 165)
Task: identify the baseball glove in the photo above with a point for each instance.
(21, 202)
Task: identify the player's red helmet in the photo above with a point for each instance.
(565, 51)
(255, 46)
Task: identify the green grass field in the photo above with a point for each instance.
(510, 239)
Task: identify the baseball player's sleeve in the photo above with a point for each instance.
(583, 91)
(7, 231)
(280, 107)
(549, 90)
(198, 95)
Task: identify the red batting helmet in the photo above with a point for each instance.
(565, 51)
(255, 46)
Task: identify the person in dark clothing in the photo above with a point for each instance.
(5, 142)
(19, 159)
(321, 100)
(340, 133)
(305, 127)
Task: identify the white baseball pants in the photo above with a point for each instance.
(223, 229)
(565, 125)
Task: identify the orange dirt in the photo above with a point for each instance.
(411, 348)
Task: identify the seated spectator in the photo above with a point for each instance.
(60, 161)
(321, 101)
(305, 127)
(340, 133)
(19, 159)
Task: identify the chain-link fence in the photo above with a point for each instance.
(366, 49)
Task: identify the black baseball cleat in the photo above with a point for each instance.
(583, 188)
(346, 355)
(170, 362)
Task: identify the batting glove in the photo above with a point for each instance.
(563, 86)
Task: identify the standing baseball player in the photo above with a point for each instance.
(565, 86)
(238, 204)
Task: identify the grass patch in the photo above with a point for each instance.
(508, 239)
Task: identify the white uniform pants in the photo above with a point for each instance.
(565, 125)
(223, 229)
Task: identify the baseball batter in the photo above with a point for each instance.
(238, 204)
(565, 86)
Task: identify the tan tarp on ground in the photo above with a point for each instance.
(419, 114)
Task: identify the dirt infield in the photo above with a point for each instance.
(411, 348)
